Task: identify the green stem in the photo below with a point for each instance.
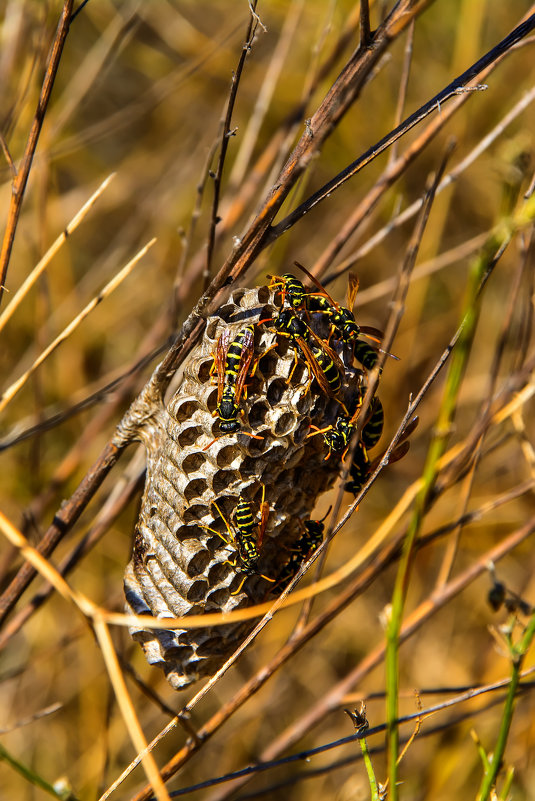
(518, 653)
(481, 268)
(369, 769)
(34, 778)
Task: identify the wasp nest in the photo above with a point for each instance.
(181, 567)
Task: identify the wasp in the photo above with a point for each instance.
(342, 318)
(325, 365)
(247, 537)
(303, 548)
(338, 436)
(359, 470)
(292, 289)
(343, 323)
(361, 466)
(231, 363)
(248, 540)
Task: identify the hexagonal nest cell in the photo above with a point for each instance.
(185, 558)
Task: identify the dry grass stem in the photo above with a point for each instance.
(424, 574)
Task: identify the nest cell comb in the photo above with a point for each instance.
(179, 567)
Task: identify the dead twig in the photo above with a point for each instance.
(19, 183)
(226, 134)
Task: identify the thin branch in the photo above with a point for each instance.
(19, 184)
(458, 86)
(127, 708)
(103, 392)
(403, 86)
(468, 695)
(7, 156)
(393, 171)
(250, 136)
(226, 133)
(110, 287)
(365, 31)
(51, 252)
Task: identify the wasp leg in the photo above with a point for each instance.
(208, 528)
(242, 582)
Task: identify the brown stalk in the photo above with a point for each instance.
(226, 133)
(395, 169)
(19, 183)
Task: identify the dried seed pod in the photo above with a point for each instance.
(179, 567)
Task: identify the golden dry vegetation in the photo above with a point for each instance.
(140, 92)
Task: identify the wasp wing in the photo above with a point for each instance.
(371, 333)
(399, 452)
(245, 361)
(322, 290)
(264, 514)
(220, 358)
(329, 351)
(352, 289)
(409, 428)
(319, 375)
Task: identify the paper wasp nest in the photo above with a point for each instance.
(180, 568)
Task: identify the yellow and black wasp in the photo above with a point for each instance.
(292, 289)
(247, 537)
(231, 364)
(342, 320)
(338, 436)
(338, 439)
(361, 465)
(324, 364)
(302, 549)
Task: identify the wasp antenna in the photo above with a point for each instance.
(224, 519)
(325, 515)
(390, 355)
(208, 528)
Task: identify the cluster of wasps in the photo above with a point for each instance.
(234, 364)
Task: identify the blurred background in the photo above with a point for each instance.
(140, 92)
